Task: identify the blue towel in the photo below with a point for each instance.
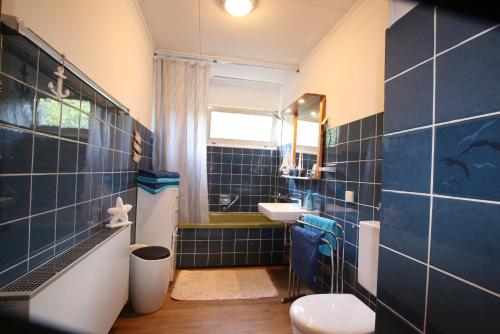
(158, 174)
(160, 180)
(326, 224)
(158, 185)
(154, 191)
(304, 253)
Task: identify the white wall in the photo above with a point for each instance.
(238, 93)
(348, 66)
(106, 39)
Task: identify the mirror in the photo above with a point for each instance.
(301, 135)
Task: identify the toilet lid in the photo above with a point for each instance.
(332, 314)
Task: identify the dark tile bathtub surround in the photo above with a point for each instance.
(356, 149)
(62, 163)
(439, 258)
(228, 247)
(244, 172)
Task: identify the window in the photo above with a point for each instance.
(232, 126)
(309, 132)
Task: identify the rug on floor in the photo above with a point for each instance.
(219, 284)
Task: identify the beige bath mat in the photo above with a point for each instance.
(217, 284)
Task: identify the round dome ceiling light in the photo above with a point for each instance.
(239, 7)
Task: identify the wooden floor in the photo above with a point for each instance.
(265, 315)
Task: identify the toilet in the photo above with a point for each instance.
(343, 313)
(152, 258)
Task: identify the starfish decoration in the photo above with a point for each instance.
(120, 212)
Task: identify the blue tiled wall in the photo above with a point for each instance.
(227, 247)
(244, 172)
(356, 149)
(439, 269)
(62, 163)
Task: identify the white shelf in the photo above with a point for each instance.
(296, 177)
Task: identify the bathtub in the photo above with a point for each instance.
(230, 239)
(234, 220)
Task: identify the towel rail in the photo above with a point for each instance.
(293, 280)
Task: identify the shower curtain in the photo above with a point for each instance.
(180, 130)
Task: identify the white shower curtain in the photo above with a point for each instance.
(181, 108)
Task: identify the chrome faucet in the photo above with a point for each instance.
(228, 206)
(298, 199)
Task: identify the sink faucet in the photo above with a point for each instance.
(298, 199)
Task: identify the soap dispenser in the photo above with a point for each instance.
(308, 205)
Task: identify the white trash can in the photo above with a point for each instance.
(149, 277)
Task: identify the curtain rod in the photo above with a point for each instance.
(215, 60)
(277, 84)
(17, 24)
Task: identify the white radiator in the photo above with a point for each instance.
(87, 296)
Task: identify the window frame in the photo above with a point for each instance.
(240, 142)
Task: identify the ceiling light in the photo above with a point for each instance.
(313, 113)
(239, 7)
(288, 110)
(301, 101)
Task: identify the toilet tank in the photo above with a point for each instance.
(157, 217)
(369, 238)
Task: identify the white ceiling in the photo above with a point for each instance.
(277, 31)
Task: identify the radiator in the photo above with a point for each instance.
(81, 290)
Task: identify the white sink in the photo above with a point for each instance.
(284, 212)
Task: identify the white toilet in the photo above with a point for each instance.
(343, 313)
(152, 263)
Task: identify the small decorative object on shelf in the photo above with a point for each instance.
(137, 147)
(58, 91)
(119, 214)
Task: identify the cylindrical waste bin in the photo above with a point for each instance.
(149, 277)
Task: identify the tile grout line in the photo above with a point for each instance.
(400, 316)
(465, 199)
(431, 199)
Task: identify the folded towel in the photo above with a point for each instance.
(157, 174)
(158, 185)
(154, 191)
(326, 224)
(304, 253)
(160, 180)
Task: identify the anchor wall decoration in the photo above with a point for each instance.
(58, 91)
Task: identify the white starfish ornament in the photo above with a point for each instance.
(119, 214)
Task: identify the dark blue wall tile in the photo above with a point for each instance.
(16, 190)
(70, 119)
(47, 115)
(16, 103)
(65, 225)
(465, 240)
(467, 79)
(354, 130)
(15, 151)
(66, 189)
(405, 224)
(407, 155)
(410, 40)
(386, 322)
(467, 159)
(13, 273)
(67, 156)
(14, 245)
(45, 154)
(43, 193)
(472, 311)
(369, 126)
(453, 27)
(19, 58)
(42, 229)
(83, 183)
(380, 123)
(408, 99)
(401, 285)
